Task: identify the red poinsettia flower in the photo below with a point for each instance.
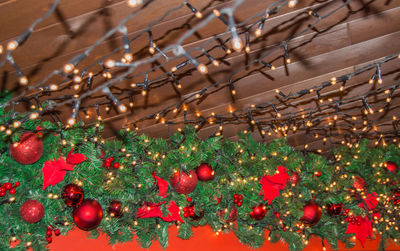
(271, 185)
(362, 229)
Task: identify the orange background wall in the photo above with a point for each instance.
(204, 239)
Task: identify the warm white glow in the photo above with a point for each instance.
(23, 80)
(68, 68)
(237, 43)
(34, 115)
(110, 63)
(53, 87)
(128, 57)
(134, 3)
(258, 32)
(1, 49)
(292, 3)
(71, 121)
(202, 68)
(77, 79)
(217, 14)
(199, 15)
(247, 49)
(122, 108)
(215, 62)
(12, 45)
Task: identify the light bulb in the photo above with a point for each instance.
(12, 45)
(68, 68)
(71, 121)
(110, 63)
(134, 3)
(122, 108)
(202, 68)
(258, 32)
(237, 43)
(23, 80)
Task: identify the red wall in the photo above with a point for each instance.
(203, 239)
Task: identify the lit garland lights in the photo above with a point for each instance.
(132, 180)
(140, 186)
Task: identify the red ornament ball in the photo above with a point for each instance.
(73, 195)
(184, 183)
(391, 166)
(334, 209)
(311, 213)
(205, 172)
(87, 216)
(28, 150)
(49, 239)
(115, 209)
(295, 178)
(233, 214)
(31, 211)
(359, 183)
(258, 212)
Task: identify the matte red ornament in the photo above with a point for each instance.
(28, 150)
(334, 209)
(87, 216)
(311, 213)
(184, 183)
(233, 214)
(205, 172)
(72, 194)
(359, 183)
(31, 211)
(258, 212)
(115, 209)
(391, 166)
(294, 178)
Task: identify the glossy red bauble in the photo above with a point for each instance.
(31, 211)
(115, 209)
(73, 195)
(184, 183)
(258, 212)
(87, 216)
(311, 213)
(28, 150)
(359, 183)
(295, 178)
(334, 209)
(391, 166)
(205, 172)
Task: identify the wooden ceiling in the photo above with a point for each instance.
(354, 36)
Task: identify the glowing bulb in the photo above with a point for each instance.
(128, 57)
(16, 124)
(198, 14)
(152, 48)
(134, 3)
(258, 32)
(122, 108)
(68, 68)
(144, 92)
(228, 51)
(174, 69)
(12, 45)
(23, 80)
(215, 63)
(71, 121)
(237, 43)
(217, 14)
(247, 49)
(34, 115)
(202, 68)
(8, 132)
(1, 49)
(110, 63)
(292, 3)
(53, 87)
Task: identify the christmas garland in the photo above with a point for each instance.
(55, 178)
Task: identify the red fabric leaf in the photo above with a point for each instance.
(54, 171)
(75, 158)
(162, 186)
(174, 213)
(271, 185)
(362, 231)
(371, 202)
(149, 210)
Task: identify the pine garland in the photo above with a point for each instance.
(238, 168)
